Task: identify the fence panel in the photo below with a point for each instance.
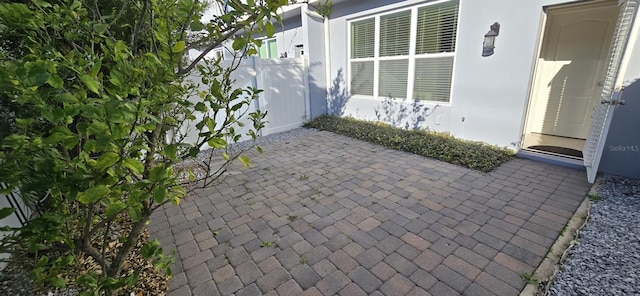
(284, 85)
(284, 95)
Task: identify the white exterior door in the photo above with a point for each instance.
(610, 94)
(572, 63)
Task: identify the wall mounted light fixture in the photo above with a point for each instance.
(490, 40)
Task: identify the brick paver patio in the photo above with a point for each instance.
(324, 214)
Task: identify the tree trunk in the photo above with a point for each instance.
(124, 251)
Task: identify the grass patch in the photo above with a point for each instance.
(594, 197)
(441, 146)
(529, 278)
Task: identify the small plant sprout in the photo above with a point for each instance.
(266, 244)
(529, 278)
(594, 197)
(304, 177)
(292, 217)
(303, 260)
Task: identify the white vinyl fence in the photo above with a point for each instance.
(285, 95)
(19, 217)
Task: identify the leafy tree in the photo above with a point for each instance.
(95, 104)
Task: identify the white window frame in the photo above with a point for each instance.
(218, 53)
(265, 42)
(412, 52)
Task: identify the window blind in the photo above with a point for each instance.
(395, 31)
(362, 78)
(437, 28)
(388, 56)
(363, 38)
(433, 79)
(393, 78)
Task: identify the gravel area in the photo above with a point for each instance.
(606, 257)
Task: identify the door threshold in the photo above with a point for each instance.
(552, 158)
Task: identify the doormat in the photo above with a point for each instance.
(558, 150)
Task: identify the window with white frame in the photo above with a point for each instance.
(218, 54)
(268, 49)
(405, 54)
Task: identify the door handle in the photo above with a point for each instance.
(616, 102)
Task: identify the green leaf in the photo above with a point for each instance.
(107, 160)
(150, 249)
(55, 138)
(134, 165)
(65, 98)
(196, 25)
(55, 81)
(159, 194)
(93, 194)
(157, 173)
(194, 151)
(58, 282)
(269, 28)
(178, 47)
(37, 74)
(91, 83)
(100, 28)
(200, 106)
(244, 160)
(217, 143)
(114, 208)
(239, 43)
(170, 151)
(95, 69)
(135, 213)
(225, 156)
(132, 279)
(259, 149)
(121, 49)
(43, 261)
(5, 212)
(67, 260)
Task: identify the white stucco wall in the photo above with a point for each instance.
(489, 92)
(288, 35)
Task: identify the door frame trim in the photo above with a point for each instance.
(542, 26)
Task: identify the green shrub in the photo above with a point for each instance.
(441, 146)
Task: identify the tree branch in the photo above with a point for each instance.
(183, 71)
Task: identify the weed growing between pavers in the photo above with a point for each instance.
(441, 146)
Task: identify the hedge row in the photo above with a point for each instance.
(441, 146)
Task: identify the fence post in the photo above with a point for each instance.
(305, 77)
(257, 83)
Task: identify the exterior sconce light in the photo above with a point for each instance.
(490, 40)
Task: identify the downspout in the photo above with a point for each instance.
(327, 54)
(327, 60)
